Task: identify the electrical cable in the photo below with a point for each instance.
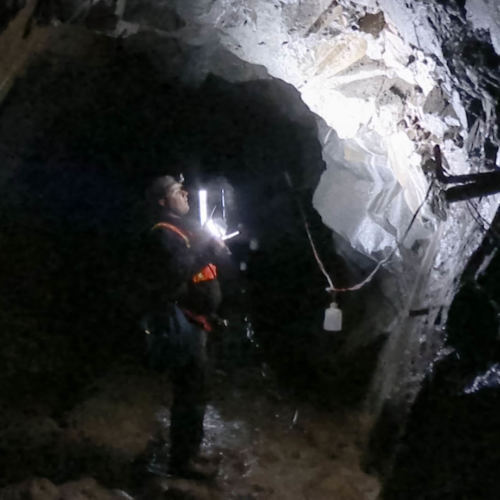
(485, 226)
(477, 216)
(331, 288)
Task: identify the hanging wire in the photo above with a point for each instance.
(485, 226)
(315, 252)
(331, 288)
(478, 218)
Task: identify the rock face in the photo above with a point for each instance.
(372, 86)
(452, 415)
(8, 10)
(389, 81)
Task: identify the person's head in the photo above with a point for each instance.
(168, 193)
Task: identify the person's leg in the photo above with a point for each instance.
(189, 403)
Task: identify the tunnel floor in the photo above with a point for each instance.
(271, 445)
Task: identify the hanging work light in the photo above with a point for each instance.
(202, 197)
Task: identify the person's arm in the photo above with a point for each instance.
(208, 249)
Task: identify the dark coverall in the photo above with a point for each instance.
(178, 308)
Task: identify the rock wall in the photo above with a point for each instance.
(386, 81)
(410, 77)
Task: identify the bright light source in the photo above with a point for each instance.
(202, 197)
(230, 235)
(215, 229)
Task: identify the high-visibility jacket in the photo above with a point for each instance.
(209, 272)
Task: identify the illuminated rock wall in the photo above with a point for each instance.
(386, 81)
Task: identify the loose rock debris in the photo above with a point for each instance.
(93, 451)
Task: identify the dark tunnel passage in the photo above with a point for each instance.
(87, 139)
(401, 403)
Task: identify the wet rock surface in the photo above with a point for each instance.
(450, 447)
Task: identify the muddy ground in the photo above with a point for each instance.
(272, 445)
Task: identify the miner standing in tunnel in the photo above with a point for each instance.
(182, 298)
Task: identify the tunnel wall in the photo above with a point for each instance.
(187, 50)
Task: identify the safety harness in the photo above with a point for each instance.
(208, 273)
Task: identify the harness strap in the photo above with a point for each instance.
(199, 319)
(175, 229)
(209, 272)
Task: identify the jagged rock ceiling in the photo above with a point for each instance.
(386, 80)
(391, 80)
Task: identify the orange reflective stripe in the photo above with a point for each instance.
(208, 273)
(175, 229)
